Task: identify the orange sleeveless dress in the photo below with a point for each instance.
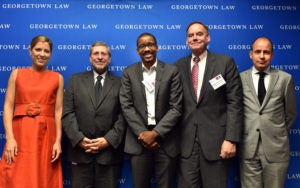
(35, 132)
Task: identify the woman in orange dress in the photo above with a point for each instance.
(32, 123)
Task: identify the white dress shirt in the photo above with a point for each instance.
(96, 75)
(149, 77)
(255, 78)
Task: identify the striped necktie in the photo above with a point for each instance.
(195, 74)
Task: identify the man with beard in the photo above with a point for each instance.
(151, 95)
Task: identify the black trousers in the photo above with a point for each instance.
(198, 172)
(94, 175)
(155, 164)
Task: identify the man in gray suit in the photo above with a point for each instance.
(212, 121)
(151, 96)
(93, 123)
(264, 150)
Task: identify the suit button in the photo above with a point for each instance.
(257, 130)
(260, 113)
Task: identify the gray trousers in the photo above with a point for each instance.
(260, 173)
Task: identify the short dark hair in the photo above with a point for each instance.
(146, 34)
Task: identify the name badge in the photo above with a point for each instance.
(217, 81)
(149, 86)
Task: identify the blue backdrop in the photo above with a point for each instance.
(74, 25)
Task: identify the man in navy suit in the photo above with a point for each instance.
(213, 113)
(93, 123)
(151, 96)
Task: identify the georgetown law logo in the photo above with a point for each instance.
(59, 68)
(80, 47)
(208, 7)
(235, 27)
(62, 26)
(120, 6)
(147, 26)
(273, 8)
(34, 6)
(248, 47)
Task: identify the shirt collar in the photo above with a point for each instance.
(267, 71)
(96, 74)
(202, 56)
(153, 67)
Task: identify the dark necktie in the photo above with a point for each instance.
(261, 87)
(98, 88)
(195, 73)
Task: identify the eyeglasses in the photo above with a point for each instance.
(149, 45)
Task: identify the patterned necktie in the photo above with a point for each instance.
(261, 87)
(195, 73)
(98, 88)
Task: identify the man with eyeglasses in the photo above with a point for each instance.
(151, 96)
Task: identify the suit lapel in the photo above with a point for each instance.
(108, 84)
(273, 80)
(89, 79)
(139, 74)
(250, 84)
(186, 67)
(159, 73)
(208, 74)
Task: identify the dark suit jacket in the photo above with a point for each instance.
(218, 113)
(168, 98)
(82, 117)
(270, 121)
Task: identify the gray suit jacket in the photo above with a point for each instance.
(82, 117)
(168, 98)
(217, 116)
(272, 120)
